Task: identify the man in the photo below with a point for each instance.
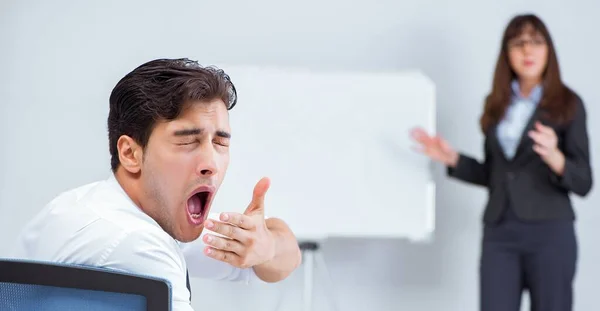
(169, 137)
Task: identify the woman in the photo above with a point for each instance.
(536, 154)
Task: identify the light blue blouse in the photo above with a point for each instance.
(510, 129)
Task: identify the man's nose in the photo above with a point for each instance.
(207, 166)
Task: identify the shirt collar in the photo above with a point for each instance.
(535, 95)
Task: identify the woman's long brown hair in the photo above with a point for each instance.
(558, 101)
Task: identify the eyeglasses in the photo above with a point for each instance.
(535, 42)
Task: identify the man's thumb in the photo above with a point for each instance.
(258, 195)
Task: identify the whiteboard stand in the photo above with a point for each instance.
(313, 260)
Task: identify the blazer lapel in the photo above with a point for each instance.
(525, 141)
(494, 143)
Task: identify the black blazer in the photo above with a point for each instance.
(526, 183)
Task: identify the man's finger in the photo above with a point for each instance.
(228, 230)
(224, 244)
(240, 220)
(224, 256)
(258, 195)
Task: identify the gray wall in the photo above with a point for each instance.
(45, 47)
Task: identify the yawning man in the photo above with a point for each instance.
(169, 138)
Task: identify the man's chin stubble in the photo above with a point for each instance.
(182, 239)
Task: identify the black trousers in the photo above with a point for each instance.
(538, 256)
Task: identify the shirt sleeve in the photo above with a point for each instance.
(148, 253)
(201, 266)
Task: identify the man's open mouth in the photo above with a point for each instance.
(198, 205)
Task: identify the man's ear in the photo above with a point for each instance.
(131, 154)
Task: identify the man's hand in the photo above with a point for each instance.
(247, 242)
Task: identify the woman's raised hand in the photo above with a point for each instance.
(435, 147)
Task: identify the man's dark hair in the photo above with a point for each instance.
(157, 91)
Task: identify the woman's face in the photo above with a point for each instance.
(528, 54)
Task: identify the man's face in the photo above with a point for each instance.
(184, 164)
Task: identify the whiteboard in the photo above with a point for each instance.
(337, 150)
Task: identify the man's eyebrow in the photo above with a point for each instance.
(188, 132)
(197, 131)
(223, 134)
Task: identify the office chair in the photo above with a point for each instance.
(33, 285)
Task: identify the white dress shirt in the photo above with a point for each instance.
(99, 225)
